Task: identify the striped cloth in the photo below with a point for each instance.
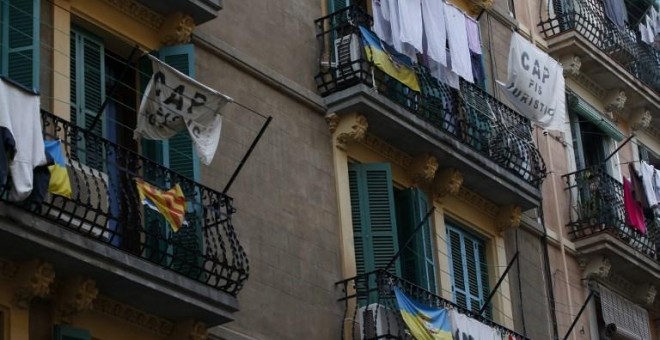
(171, 203)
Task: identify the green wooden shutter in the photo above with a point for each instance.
(469, 269)
(417, 259)
(20, 41)
(335, 5)
(374, 218)
(88, 93)
(64, 332)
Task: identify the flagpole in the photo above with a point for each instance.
(410, 238)
(113, 89)
(247, 154)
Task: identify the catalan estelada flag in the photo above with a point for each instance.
(59, 183)
(387, 62)
(171, 203)
(424, 322)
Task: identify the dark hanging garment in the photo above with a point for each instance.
(41, 175)
(616, 11)
(7, 152)
(637, 186)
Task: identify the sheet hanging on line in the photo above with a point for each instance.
(173, 102)
(458, 43)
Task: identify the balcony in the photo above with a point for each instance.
(200, 10)
(371, 310)
(599, 227)
(468, 129)
(612, 57)
(104, 232)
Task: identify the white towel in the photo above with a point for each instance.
(458, 43)
(648, 172)
(435, 31)
(410, 21)
(656, 184)
(19, 112)
(395, 25)
(382, 28)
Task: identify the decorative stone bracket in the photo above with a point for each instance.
(596, 268)
(476, 6)
(508, 217)
(347, 129)
(33, 280)
(640, 119)
(646, 294)
(447, 182)
(75, 296)
(571, 65)
(189, 330)
(177, 29)
(614, 101)
(423, 168)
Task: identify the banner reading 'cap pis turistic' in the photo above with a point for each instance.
(536, 84)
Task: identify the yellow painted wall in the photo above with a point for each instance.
(18, 321)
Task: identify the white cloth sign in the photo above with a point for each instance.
(535, 85)
(468, 328)
(173, 102)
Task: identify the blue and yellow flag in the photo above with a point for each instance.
(59, 183)
(387, 62)
(424, 323)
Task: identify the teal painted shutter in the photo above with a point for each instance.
(335, 5)
(469, 269)
(20, 41)
(64, 332)
(181, 157)
(417, 259)
(88, 93)
(374, 218)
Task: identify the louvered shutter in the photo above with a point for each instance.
(88, 94)
(469, 269)
(417, 261)
(182, 158)
(335, 5)
(64, 332)
(20, 41)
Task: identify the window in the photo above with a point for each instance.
(378, 233)
(19, 38)
(646, 154)
(64, 332)
(468, 268)
(590, 143)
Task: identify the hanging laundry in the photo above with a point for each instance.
(59, 184)
(40, 184)
(646, 32)
(411, 26)
(381, 14)
(7, 152)
(637, 186)
(474, 37)
(656, 184)
(648, 171)
(634, 212)
(616, 11)
(458, 43)
(173, 102)
(435, 31)
(19, 114)
(387, 62)
(445, 73)
(395, 25)
(468, 328)
(171, 203)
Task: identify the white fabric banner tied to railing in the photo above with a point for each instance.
(172, 102)
(535, 85)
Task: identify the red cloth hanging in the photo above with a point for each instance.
(634, 212)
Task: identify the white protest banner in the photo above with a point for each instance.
(172, 102)
(465, 327)
(536, 84)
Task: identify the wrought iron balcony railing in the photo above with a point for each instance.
(370, 303)
(597, 207)
(622, 44)
(105, 206)
(470, 114)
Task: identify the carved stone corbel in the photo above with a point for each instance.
(76, 295)
(508, 217)
(476, 6)
(596, 268)
(447, 182)
(177, 29)
(646, 294)
(640, 119)
(615, 100)
(347, 129)
(189, 330)
(571, 65)
(423, 168)
(33, 280)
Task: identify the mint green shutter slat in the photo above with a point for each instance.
(64, 332)
(483, 275)
(455, 245)
(425, 245)
(20, 36)
(335, 5)
(469, 269)
(356, 218)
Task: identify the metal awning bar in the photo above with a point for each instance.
(590, 113)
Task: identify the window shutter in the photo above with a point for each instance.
(63, 332)
(417, 261)
(335, 5)
(88, 92)
(375, 224)
(469, 269)
(182, 158)
(20, 41)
